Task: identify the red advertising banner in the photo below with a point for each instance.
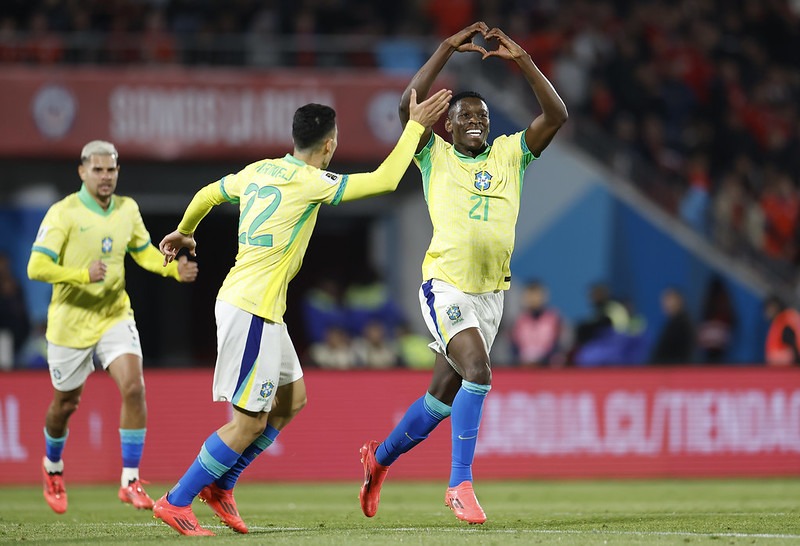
(171, 113)
(545, 424)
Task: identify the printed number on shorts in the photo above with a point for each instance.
(246, 233)
(480, 210)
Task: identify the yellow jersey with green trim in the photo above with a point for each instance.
(473, 204)
(75, 232)
(278, 206)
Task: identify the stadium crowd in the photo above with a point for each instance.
(695, 100)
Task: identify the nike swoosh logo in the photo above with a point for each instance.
(467, 438)
(85, 228)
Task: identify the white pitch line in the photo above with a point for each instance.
(484, 530)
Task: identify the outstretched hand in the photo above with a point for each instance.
(428, 112)
(506, 49)
(462, 40)
(171, 244)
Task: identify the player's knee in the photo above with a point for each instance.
(479, 373)
(133, 391)
(68, 406)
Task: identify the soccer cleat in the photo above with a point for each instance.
(374, 474)
(180, 518)
(461, 500)
(54, 491)
(134, 494)
(223, 504)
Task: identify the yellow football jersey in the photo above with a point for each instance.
(278, 206)
(75, 232)
(473, 204)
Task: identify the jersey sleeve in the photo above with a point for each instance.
(387, 176)
(52, 234)
(140, 237)
(202, 203)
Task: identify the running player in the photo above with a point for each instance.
(80, 249)
(473, 193)
(257, 369)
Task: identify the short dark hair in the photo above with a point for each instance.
(311, 124)
(464, 95)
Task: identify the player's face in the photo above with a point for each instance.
(330, 147)
(99, 174)
(468, 122)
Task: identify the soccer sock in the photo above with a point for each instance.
(228, 480)
(419, 420)
(214, 459)
(465, 421)
(132, 443)
(53, 449)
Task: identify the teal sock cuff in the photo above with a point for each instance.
(132, 435)
(267, 438)
(436, 408)
(475, 388)
(55, 441)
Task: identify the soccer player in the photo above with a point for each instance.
(257, 369)
(80, 249)
(472, 189)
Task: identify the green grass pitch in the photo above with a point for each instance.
(686, 512)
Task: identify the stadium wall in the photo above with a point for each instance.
(641, 423)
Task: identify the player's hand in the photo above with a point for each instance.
(187, 269)
(97, 271)
(462, 40)
(428, 112)
(506, 49)
(173, 242)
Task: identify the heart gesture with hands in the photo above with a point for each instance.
(462, 40)
(506, 49)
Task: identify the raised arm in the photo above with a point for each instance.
(387, 176)
(426, 75)
(183, 237)
(554, 113)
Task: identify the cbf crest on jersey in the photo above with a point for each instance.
(107, 245)
(483, 180)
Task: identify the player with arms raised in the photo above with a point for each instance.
(473, 192)
(257, 369)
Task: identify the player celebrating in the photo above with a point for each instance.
(473, 195)
(257, 369)
(81, 249)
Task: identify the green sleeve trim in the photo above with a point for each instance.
(228, 198)
(340, 192)
(140, 248)
(46, 252)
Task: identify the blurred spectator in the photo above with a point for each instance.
(608, 313)
(413, 349)
(323, 309)
(334, 352)
(717, 323)
(374, 349)
(14, 322)
(782, 346)
(676, 340)
(611, 336)
(367, 299)
(537, 332)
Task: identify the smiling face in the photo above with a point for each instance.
(99, 174)
(468, 122)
